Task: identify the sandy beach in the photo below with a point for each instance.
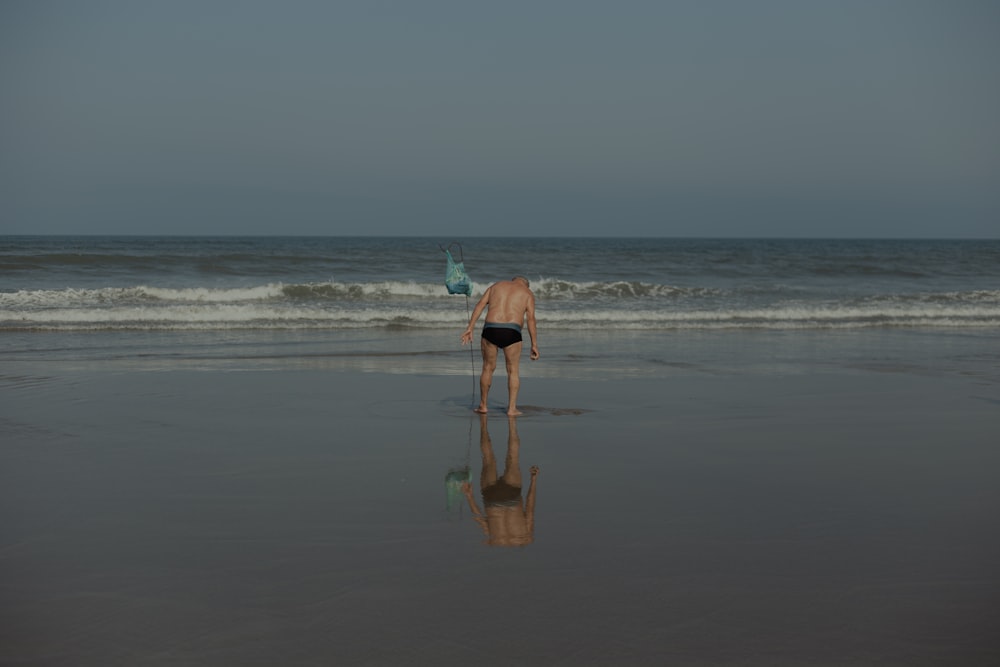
(303, 517)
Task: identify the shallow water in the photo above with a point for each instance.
(261, 516)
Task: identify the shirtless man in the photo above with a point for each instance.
(509, 303)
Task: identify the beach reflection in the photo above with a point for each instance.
(507, 518)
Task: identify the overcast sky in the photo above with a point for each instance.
(701, 118)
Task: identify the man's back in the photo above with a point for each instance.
(509, 301)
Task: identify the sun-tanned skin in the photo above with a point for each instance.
(505, 302)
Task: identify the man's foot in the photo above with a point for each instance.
(481, 410)
(514, 412)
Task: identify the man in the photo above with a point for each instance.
(509, 302)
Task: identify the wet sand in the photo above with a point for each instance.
(305, 517)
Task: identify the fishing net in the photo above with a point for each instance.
(455, 278)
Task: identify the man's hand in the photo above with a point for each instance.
(534, 470)
(466, 336)
(534, 353)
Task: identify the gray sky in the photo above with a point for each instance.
(701, 118)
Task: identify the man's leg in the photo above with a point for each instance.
(486, 378)
(512, 355)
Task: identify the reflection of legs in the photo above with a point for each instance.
(488, 475)
(486, 378)
(512, 467)
(512, 355)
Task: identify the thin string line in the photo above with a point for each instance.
(472, 356)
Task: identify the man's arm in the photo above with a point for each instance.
(476, 312)
(532, 327)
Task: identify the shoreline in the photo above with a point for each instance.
(265, 516)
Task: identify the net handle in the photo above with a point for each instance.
(447, 248)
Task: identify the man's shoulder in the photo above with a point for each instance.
(511, 289)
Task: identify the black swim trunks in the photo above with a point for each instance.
(502, 334)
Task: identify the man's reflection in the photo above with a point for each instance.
(508, 520)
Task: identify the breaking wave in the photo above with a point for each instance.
(399, 304)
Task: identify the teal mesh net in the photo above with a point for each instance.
(455, 278)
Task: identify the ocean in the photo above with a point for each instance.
(254, 451)
(606, 306)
